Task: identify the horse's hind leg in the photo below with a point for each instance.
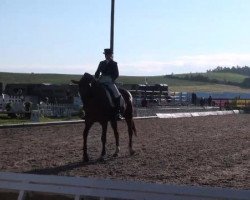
(114, 126)
(130, 125)
(85, 137)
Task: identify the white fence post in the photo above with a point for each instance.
(22, 195)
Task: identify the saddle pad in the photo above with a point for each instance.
(122, 101)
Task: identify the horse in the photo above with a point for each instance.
(98, 108)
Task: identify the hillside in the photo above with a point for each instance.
(36, 78)
(219, 76)
(233, 76)
(183, 85)
(173, 83)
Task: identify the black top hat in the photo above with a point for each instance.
(108, 51)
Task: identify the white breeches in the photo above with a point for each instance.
(107, 80)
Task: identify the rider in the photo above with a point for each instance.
(109, 73)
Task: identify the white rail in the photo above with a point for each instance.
(56, 110)
(79, 187)
(196, 114)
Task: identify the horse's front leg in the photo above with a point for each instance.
(104, 139)
(85, 137)
(114, 126)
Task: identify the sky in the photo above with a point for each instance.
(151, 37)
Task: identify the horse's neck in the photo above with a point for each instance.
(96, 95)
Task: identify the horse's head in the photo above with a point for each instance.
(85, 84)
(87, 78)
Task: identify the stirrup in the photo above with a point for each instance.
(118, 117)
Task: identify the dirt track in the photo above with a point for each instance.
(211, 150)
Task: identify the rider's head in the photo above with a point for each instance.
(108, 54)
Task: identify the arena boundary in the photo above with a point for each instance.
(80, 187)
(158, 115)
(196, 114)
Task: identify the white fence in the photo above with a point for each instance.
(196, 114)
(174, 99)
(16, 104)
(56, 110)
(79, 188)
(180, 98)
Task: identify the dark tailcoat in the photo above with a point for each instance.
(107, 69)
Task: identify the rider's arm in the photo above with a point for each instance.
(115, 73)
(98, 71)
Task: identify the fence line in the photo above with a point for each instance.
(56, 110)
(79, 187)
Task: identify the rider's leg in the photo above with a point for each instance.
(116, 98)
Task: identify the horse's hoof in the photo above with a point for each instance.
(132, 152)
(102, 158)
(85, 159)
(116, 151)
(115, 155)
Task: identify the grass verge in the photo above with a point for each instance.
(6, 120)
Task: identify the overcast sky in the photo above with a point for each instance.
(152, 37)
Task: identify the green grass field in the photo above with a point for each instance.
(5, 119)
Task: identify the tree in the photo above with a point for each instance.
(246, 82)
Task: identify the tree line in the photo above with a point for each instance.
(238, 70)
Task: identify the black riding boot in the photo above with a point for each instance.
(117, 109)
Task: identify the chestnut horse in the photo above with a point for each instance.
(97, 107)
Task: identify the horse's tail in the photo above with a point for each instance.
(128, 114)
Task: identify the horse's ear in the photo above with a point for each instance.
(75, 82)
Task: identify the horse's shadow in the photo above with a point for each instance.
(70, 166)
(67, 167)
